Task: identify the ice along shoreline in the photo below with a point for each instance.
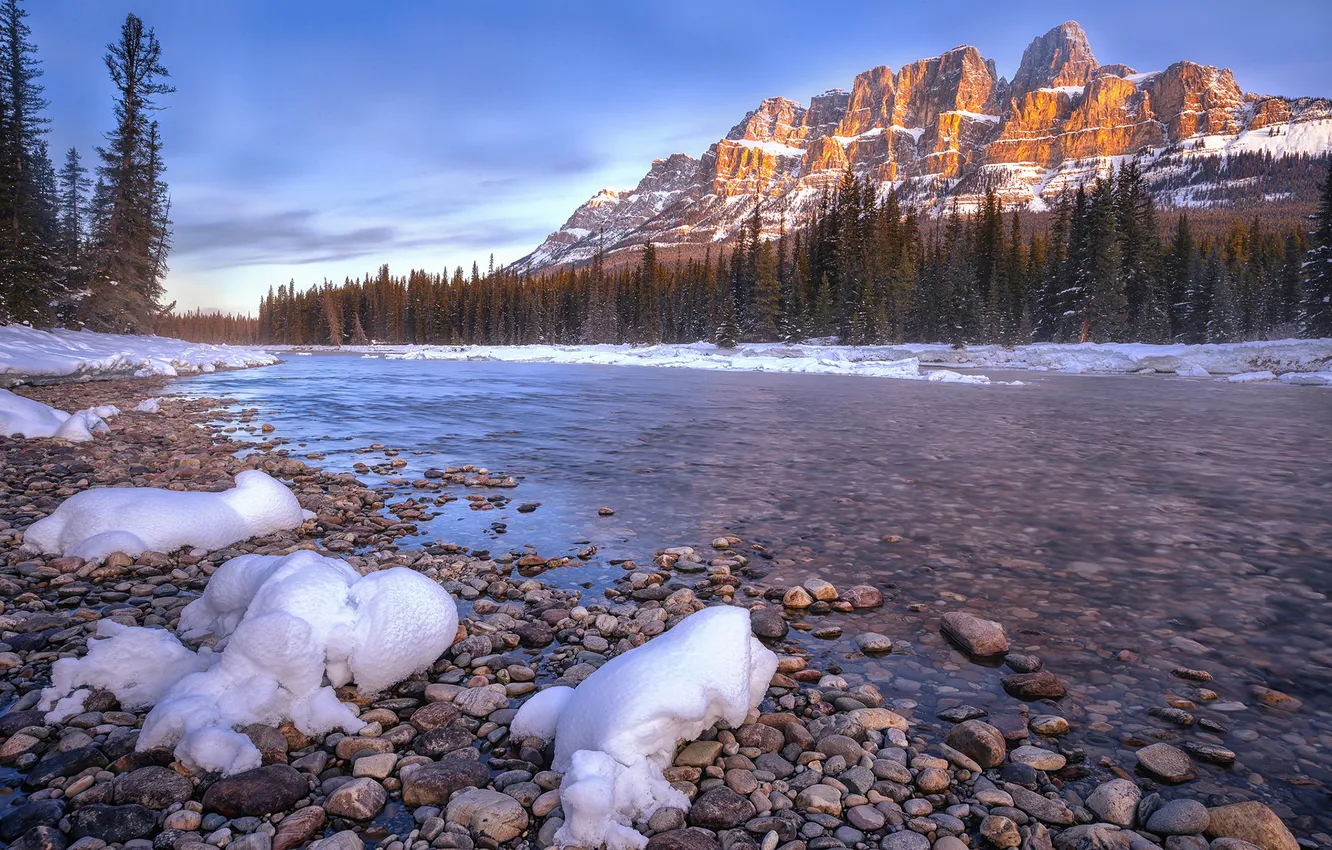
(902, 783)
(1297, 361)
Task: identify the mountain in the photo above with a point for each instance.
(944, 130)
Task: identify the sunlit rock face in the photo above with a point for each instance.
(942, 131)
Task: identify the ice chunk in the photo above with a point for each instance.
(1251, 377)
(1307, 379)
(617, 730)
(95, 523)
(294, 627)
(150, 405)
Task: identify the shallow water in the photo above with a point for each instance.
(1188, 521)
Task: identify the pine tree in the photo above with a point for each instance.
(1104, 307)
(767, 294)
(1316, 313)
(130, 243)
(1223, 319)
(27, 231)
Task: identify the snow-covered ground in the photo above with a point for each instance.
(1310, 358)
(28, 355)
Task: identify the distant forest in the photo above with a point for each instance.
(75, 251)
(1105, 269)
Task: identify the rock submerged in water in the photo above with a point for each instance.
(1167, 763)
(1034, 686)
(977, 637)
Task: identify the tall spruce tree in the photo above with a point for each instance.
(1316, 313)
(131, 240)
(27, 232)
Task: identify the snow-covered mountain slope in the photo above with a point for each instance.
(946, 129)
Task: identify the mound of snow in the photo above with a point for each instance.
(293, 627)
(95, 523)
(27, 354)
(150, 405)
(1307, 379)
(617, 730)
(32, 419)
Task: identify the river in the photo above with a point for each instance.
(1118, 526)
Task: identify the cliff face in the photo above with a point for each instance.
(944, 130)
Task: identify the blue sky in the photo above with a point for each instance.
(318, 139)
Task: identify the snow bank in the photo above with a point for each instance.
(902, 361)
(617, 730)
(95, 523)
(32, 419)
(28, 355)
(1308, 379)
(293, 628)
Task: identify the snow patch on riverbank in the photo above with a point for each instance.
(616, 732)
(903, 361)
(32, 419)
(28, 355)
(134, 520)
(295, 628)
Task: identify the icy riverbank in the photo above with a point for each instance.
(30, 356)
(1280, 357)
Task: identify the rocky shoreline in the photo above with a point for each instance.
(825, 763)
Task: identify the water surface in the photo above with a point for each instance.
(1119, 526)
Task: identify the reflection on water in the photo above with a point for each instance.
(1118, 526)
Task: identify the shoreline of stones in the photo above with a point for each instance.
(823, 764)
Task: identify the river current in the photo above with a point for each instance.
(1118, 526)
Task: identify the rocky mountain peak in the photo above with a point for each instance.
(1061, 57)
(947, 129)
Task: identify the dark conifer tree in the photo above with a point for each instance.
(1316, 314)
(130, 242)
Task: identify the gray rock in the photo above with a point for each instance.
(665, 820)
(345, 840)
(480, 702)
(766, 623)
(683, 839)
(905, 840)
(978, 637)
(1115, 801)
(978, 741)
(1000, 832)
(865, 817)
(360, 799)
(262, 791)
(29, 815)
(153, 787)
(112, 824)
(870, 642)
(489, 813)
(41, 838)
(1096, 836)
(1179, 817)
(1042, 808)
(720, 808)
(432, 784)
(1168, 763)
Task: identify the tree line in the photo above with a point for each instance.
(77, 251)
(866, 271)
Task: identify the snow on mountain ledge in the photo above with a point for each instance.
(30, 356)
(902, 361)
